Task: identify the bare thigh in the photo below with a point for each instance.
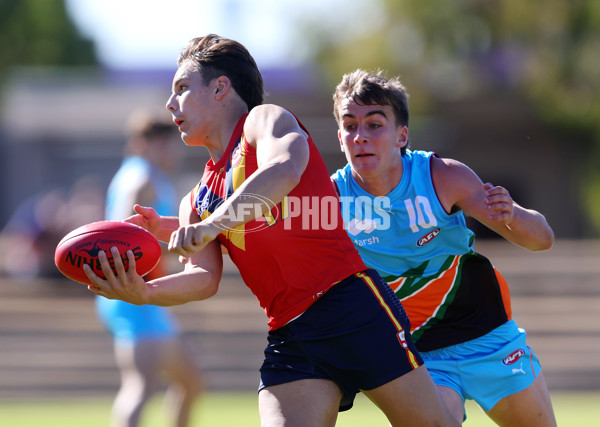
(309, 402)
(453, 402)
(531, 407)
(139, 363)
(412, 400)
(178, 363)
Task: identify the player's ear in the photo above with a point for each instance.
(340, 139)
(222, 85)
(402, 136)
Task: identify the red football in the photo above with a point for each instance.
(81, 246)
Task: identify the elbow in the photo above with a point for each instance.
(545, 242)
(209, 292)
(293, 180)
(290, 175)
(209, 288)
(212, 285)
(549, 242)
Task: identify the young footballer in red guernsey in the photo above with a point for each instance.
(335, 327)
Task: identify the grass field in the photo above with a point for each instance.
(240, 410)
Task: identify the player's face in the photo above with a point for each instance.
(191, 104)
(371, 139)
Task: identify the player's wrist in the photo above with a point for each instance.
(211, 229)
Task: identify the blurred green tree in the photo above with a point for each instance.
(40, 33)
(547, 50)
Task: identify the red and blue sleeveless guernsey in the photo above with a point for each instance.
(294, 253)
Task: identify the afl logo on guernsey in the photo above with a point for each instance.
(428, 237)
(513, 357)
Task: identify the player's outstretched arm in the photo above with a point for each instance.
(198, 281)
(459, 187)
(525, 227)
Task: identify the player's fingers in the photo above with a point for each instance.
(131, 269)
(118, 263)
(105, 266)
(174, 240)
(501, 212)
(497, 190)
(497, 199)
(97, 281)
(142, 210)
(503, 217)
(141, 217)
(176, 243)
(199, 239)
(500, 203)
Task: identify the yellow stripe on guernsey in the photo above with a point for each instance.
(238, 176)
(387, 308)
(238, 172)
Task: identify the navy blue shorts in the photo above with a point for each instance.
(356, 334)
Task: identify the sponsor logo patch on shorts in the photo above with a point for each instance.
(513, 357)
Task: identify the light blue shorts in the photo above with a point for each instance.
(132, 323)
(488, 368)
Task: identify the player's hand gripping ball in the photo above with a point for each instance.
(81, 246)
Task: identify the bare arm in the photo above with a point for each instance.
(202, 271)
(199, 280)
(458, 186)
(282, 154)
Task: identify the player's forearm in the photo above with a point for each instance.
(183, 287)
(530, 230)
(168, 224)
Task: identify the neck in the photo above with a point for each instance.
(382, 183)
(218, 143)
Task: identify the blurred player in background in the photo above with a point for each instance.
(334, 326)
(147, 341)
(404, 210)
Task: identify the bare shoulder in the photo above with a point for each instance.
(453, 181)
(446, 170)
(269, 120)
(265, 113)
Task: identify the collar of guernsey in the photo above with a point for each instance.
(294, 253)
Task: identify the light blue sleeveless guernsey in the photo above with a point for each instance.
(128, 322)
(423, 236)
(425, 254)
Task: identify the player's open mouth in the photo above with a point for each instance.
(364, 155)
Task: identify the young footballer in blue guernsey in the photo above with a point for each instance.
(335, 327)
(148, 343)
(404, 211)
